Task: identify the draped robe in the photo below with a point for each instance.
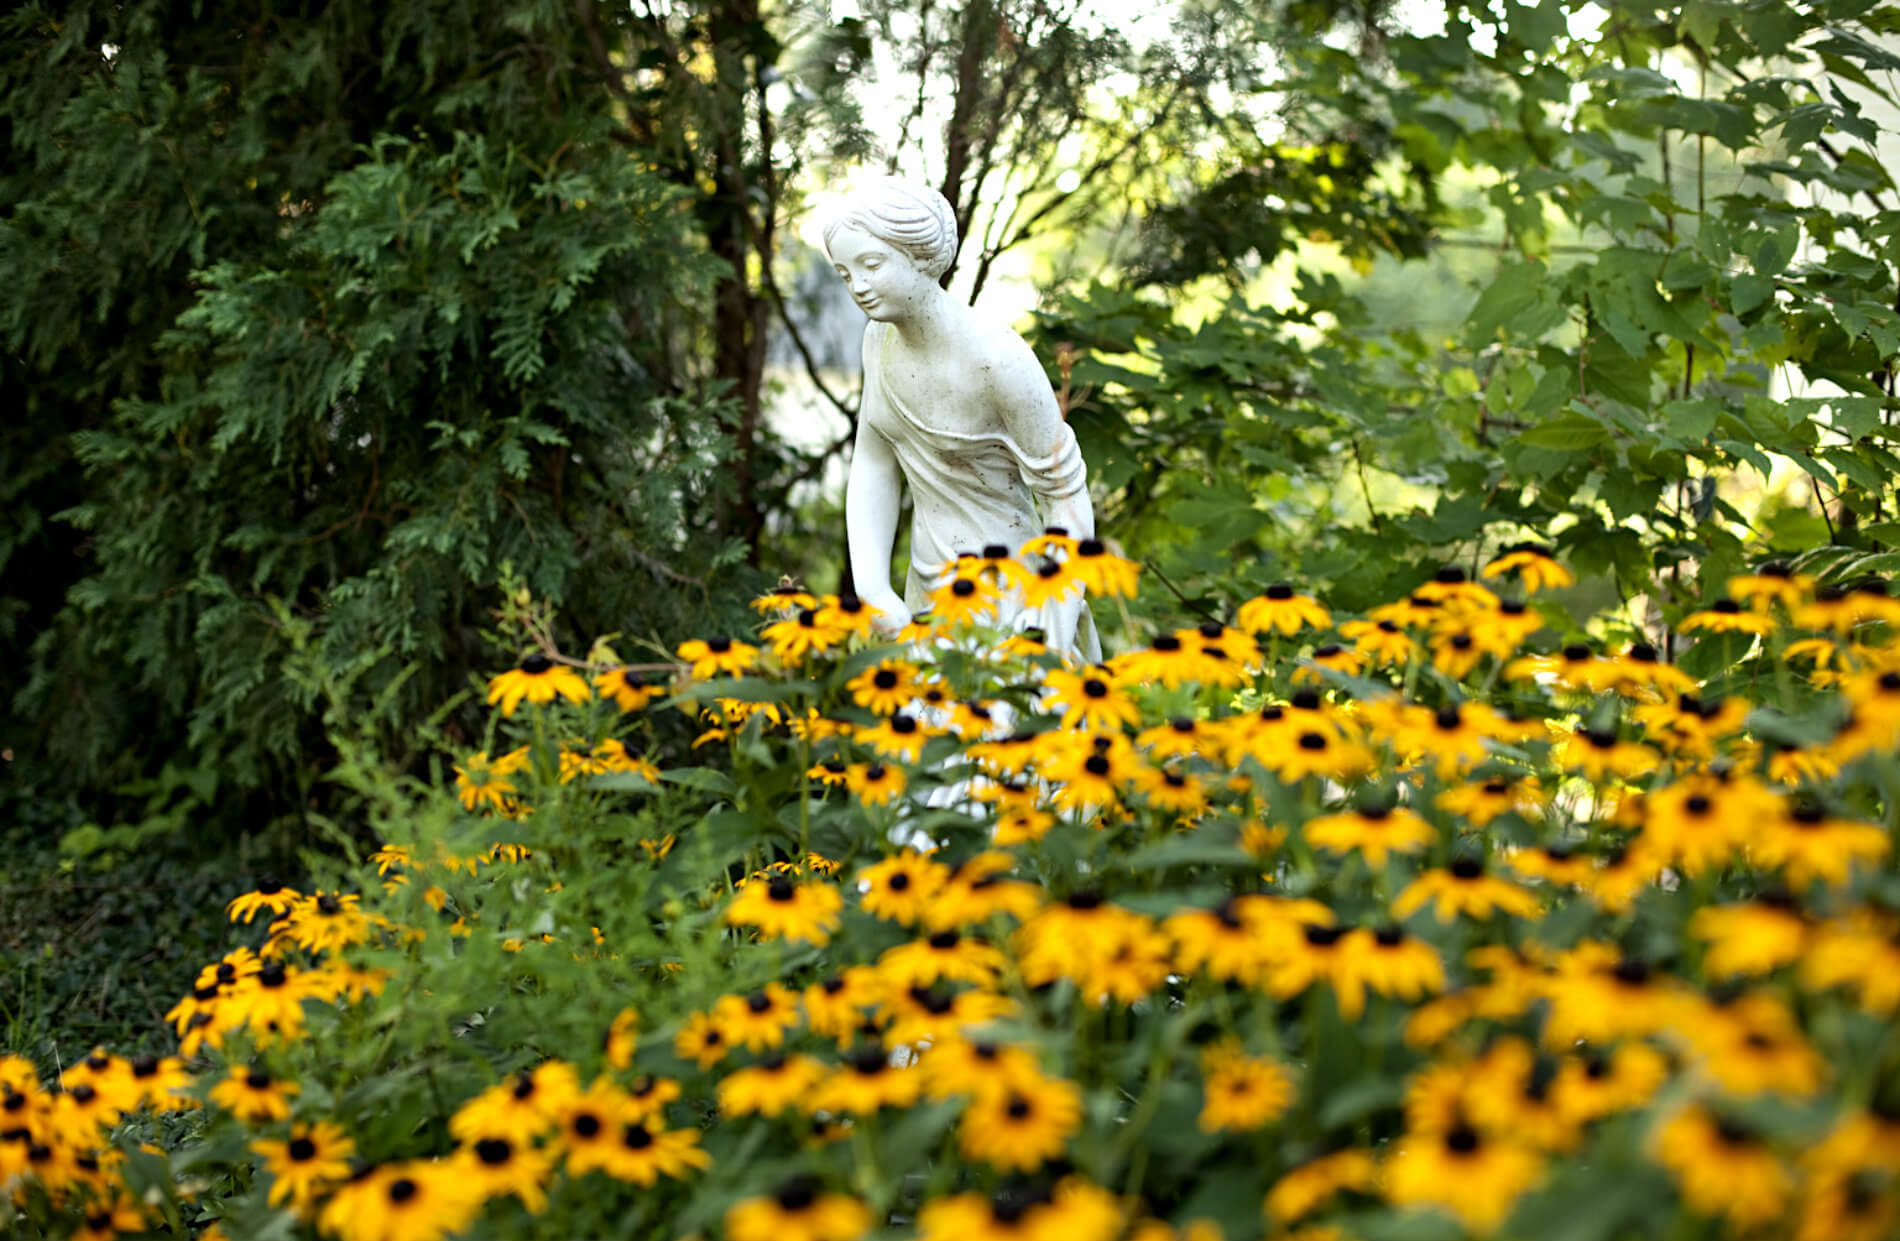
(971, 490)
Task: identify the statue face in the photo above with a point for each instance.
(884, 281)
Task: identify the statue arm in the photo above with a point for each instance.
(1034, 421)
(870, 515)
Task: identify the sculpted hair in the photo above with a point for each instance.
(913, 218)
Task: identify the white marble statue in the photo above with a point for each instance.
(957, 406)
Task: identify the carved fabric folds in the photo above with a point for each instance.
(969, 491)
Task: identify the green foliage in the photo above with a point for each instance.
(327, 323)
(1737, 244)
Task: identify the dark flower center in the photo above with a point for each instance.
(1167, 642)
(719, 646)
(759, 1002)
(257, 1079)
(945, 939)
(227, 972)
(885, 678)
(898, 882)
(867, 1061)
(1461, 642)
(1512, 607)
(1312, 741)
(1094, 688)
(524, 1086)
(636, 1137)
(1448, 718)
(535, 665)
(1631, 971)
(587, 1124)
(801, 1191)
(1727, 607)
(494, 1152)
(1462, 1140)
(1467, 868)
(402, 1189)
(84, 1093)
(1279, 592)
(1085, 900)
(1697, 804)
(1090, 547)
(1096, 765)
(850, 605)
(1321, 936)
(145, 1066)
(1018, 1107)
(780, 888)
(1576, 652)
(271, 975)
(1391, 935)
(328, 905)
(1450, 575)
(963, 588)
(903, 725)
(1328, 651)
(873, 773)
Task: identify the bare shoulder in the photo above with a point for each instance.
(1011, 365)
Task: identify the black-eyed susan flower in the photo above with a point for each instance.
(835, 1005)
(757, 1020)
(1723, 1169)
(796, 636)
(494, 1167)
(1022, 1127)
(1535, 565)
(1599, 1082)
(1752, 938)
(1727, 616)
(899, 888)
(270, 896)
(1374, 831)
(270, 1001)
(539, 680)
(1512, 1090)
(629, 688)
(647, 1097)
(1597, 996)
(1100, 570)
(1089, 699)
(866, 1082)
(707, 658)
(785, 599)
(1048, 583)
(964, 1066)
(774, 1085)
(943, 956)
(918, 1014)
(484, 782)
(964, 601)
(1601, 755)
(1477, 1178)
(254, 1096)
(587, 1127)
(886, 687)
(1860, 952)
(407, 1200)
(1168, 662)
(644, 1153)
(519, 1109)
(1331, 657)
(848, 614)
(1391, 962)
(1384, 642)
(1299, 753)
(875, 784)
(780, 908)
(800, 1210)
(1282, 610)
(1752, 1044)
(108, 1217)
(1480, 802)
(1239, 1092)
(978, 891)
(1452, 589)
(901, 736)
(701, 1040)
(1772, 584)
(1312, 1185)
(1465, 889)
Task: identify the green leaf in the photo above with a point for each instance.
(705, 779)
(1569, 432)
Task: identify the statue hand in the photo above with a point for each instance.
(893, 614)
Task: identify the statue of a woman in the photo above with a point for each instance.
(955, 404)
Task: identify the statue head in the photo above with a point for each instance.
(904, 215)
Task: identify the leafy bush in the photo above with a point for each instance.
(1415, 923)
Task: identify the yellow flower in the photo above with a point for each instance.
(255, 1097)
(1722, 1169)
(1475, 1177)
(1021, 1127)
(711, 657)
(1463, 888)
(798, 1211)
(1534, 565)
(1089, 699)
(781, 909)
(1281, 610)
(629, 688)
(539, 680)
(1100, 570)
(271, 897)
(963, 600)
(900, 888)
(1727, 616)
(875, 784)
(774, 1085)
(886, 687)
(410, 1200)
(1242, 1093)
